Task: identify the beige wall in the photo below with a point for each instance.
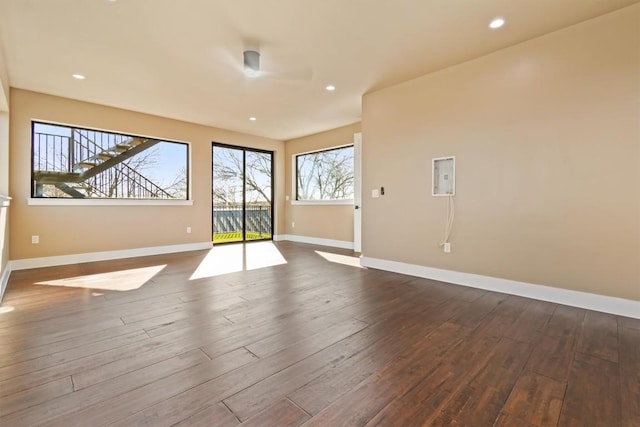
(4, 167)
(4, 82)
(546, 136)
(321, 221)
(81, 229)
(4, 191)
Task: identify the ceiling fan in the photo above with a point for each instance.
(277, 69)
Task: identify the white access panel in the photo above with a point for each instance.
(444, 176)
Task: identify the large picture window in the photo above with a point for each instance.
(325, 175)
(71, 162)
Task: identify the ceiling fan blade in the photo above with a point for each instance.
(300, 74)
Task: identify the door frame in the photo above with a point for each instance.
(357, 192)
(244, 190)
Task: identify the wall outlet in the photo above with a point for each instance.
(188, 230)
(35, 239)
(293, 224)
(447, 247)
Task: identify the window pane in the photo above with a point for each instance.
(325, 175)
(80, 163)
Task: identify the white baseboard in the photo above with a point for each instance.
(343, 244)
(4, 279)
(603, 303)
(22, 264)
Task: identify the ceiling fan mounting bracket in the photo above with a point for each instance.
(251, 63)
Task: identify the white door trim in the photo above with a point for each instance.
(357, 192)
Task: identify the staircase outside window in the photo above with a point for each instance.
(71, 162)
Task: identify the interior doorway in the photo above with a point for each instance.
(242, 194)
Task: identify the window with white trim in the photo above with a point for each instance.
(75, 163)
(325, 175)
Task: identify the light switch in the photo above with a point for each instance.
(375, 193)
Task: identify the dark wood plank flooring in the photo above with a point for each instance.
(305, 341)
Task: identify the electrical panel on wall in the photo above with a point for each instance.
(444, 176)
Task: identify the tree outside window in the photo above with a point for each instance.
(325, 175)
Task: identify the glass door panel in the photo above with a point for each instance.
(228, 195)
(258, 195)
(242, 194)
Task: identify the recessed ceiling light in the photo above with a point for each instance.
(496, 23)
(253, 119)
(78, 76)
(330, 88)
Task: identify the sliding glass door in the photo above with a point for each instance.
(242, 194)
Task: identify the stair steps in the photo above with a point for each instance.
(105, 155)
(86, 165)
(50, 177)
(137, 141)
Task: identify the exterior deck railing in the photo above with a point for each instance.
(227, 218)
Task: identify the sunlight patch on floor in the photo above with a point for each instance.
(6, 309)
(123, 280)
(352, 261)
(263, 254)
(232, 258)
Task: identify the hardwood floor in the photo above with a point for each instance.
(304, 341)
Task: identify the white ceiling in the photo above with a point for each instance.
(183, 59)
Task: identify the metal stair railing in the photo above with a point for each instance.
(76, 190)
(87, 150)
(135, 185)
(122, 181)
(53, 152)
(64, 154)
(61, 153)
(117, 149)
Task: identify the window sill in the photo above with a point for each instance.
(106, 202)
(322, 202)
